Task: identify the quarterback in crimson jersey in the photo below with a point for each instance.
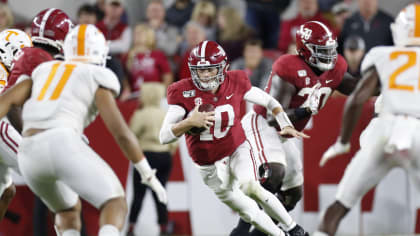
(302, 84)
(221, 152)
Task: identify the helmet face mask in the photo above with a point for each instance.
(316, 45)
(210, 56)
(323, 57)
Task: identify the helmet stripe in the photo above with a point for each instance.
(203, 50)
(44, 21)
(81, 40)
(417, 21)
(325, 27)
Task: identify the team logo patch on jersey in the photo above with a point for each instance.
(302, 73)
(307, 80)
(188, 94)
(198, 101)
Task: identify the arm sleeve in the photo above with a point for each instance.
(122, 44)
(258, 96)
(174, 114)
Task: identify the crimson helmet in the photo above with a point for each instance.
(50, 27)
(206, 55)
(317, 45)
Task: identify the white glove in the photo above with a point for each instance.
(313, 99)
(336, 149)
(148, 178)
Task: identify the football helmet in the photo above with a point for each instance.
(87, 44)
(50, 27)
(406, 28)
(11, 42)
(317, 45)
(206, 55)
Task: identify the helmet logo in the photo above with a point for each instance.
(306, 33)
(9, 33)
(198, 101)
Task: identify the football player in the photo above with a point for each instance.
(48, 29)
(221, 152)
(59, 100)
(393, 138)
(302, 84)
(11, 43)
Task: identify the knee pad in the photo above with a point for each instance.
(271, 176)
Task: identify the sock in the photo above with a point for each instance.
(71, 232)
(108, 230)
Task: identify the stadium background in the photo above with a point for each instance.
(390, 209)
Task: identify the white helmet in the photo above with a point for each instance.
(11, 42)
(87, 44)
(406, 28)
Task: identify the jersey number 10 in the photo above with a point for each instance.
(218, 130)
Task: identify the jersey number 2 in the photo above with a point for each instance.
(218, 130)
(68, 69)
(411, 62)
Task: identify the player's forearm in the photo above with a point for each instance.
(182, 127)
(130, 147)
(297, 114)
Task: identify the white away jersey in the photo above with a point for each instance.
(399, 72)
(63, 94)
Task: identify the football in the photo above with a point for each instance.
(201, 108)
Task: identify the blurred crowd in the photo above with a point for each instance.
(156, 49)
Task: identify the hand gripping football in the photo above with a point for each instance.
(201, 108)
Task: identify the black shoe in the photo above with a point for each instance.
(297, 231)
(242, 229)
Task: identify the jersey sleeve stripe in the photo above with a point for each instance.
(2, 136)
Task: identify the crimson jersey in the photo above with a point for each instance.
(28, 59)
(226, 134)
(294, 70)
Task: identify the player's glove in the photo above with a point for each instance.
(334, 150)
(148, 178)
(312, 102)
